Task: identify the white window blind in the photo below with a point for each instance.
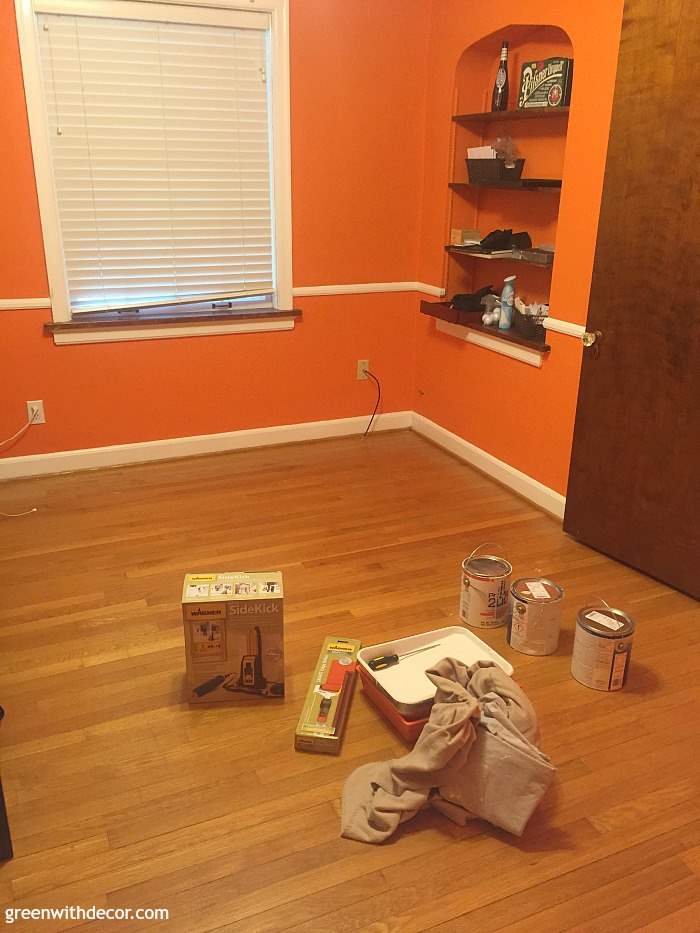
(160, 146)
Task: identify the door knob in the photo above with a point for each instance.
(590, 337)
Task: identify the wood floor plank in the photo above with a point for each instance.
(121, 795)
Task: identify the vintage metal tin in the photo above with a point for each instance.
(535, 618)
(546, 84)
(484, 597)
(602, 648)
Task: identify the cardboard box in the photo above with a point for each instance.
(460, 237)
(234, 636)
(324, 714)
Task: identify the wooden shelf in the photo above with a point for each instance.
(458, 251)
(531, 113)
(472, 321)
(522, 184)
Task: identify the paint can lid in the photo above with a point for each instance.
(537, 590)
(605, 622)
(487, 565)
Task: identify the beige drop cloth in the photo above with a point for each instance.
(475, 757)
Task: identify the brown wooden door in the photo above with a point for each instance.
(634, 477)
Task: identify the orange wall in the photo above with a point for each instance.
(372, 97)
(358, 88)
(519, 414)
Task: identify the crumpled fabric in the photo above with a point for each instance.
(476, 757)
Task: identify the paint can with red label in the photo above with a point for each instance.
(485, 587)
(535, 620)
(602, 648)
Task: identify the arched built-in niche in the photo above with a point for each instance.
(540, 141)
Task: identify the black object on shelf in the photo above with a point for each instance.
(499, 240)
(527, 328)
(493, 171)
(472, 301)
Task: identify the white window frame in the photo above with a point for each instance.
(281, 176)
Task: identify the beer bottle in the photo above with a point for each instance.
(499, 98)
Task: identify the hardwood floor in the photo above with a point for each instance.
(120, 795)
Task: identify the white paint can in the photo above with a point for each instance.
(485, 583)
(602, 648)
(535, 619)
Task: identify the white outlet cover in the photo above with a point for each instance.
(36, 404)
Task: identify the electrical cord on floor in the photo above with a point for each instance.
(25, 427)
(379, 398)
(8, 440)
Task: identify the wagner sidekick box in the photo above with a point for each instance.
(234, 636)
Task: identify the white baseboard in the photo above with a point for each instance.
(524, 485)
(119, 454)
(66, 461)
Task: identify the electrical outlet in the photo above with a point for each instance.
(35, 412)
(362, 367)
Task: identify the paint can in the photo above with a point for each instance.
(485, 583)
(535, 619)
(602, 648)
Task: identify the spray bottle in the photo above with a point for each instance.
(507, 297)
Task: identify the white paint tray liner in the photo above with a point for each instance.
(406, 684)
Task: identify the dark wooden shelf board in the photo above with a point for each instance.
(530, 113)
(523, 184)
(456, 251)
(472, 321)
(112, 320)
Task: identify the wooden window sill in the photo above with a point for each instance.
(107, 328)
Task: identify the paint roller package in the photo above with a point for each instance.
(234, 636)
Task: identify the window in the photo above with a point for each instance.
(161, 144)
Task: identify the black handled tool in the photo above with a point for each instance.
(210, 685)
(389, 660)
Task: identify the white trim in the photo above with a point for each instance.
(119, 454)
(23, 304)
(133, 332)
(430, 289)
(308, 291)
(542, 496)
(564, 327)
(513, 350)
(302, 291)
